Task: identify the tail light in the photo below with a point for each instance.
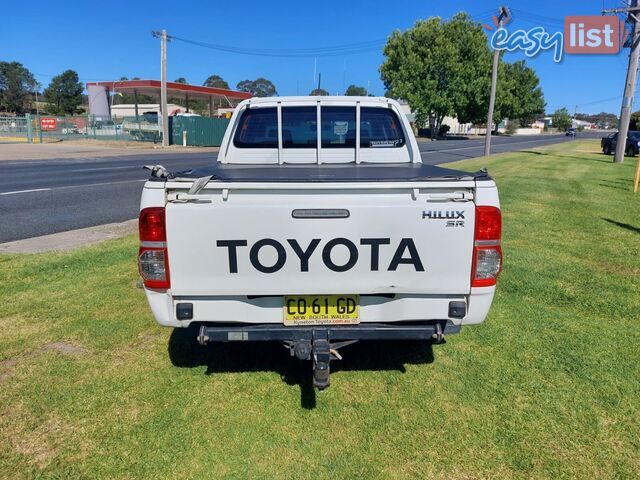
(153, 259)
(487, 252)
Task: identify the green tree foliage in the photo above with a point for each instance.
(355, 91)
(64, 93)
(260, 87)
(561, 119)
(519, 96)
(441, 68)
(216, 81)
(389, 94)
(444, 68)
(180, 80)
(16, 86)
(472, 69)
(319, 92)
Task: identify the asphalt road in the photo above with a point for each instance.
(40, 197)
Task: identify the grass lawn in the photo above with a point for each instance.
(548, 387)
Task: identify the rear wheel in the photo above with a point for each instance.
(606, 150)
(630, 152)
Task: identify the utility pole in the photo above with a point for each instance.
(503, 13)
(164, 114)
(630, 84)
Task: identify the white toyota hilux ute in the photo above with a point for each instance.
(319, 226)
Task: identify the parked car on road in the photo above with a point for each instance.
(571, 132)
(319, 226)
(608, 143)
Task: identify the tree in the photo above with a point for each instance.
(260, 87)
(389, 94)
(441, 68)
(355, 91)
(444, 68)
(472, 69)
(215, 81)
(519, 97)
(561, 119)
(16, 86)
(64, 93)
(319, 92)
(180, 80)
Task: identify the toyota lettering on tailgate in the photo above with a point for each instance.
(406, 253)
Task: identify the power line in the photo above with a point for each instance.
(347, 49)
(327, 51)
(536, 17)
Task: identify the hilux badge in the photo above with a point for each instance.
(454, 218)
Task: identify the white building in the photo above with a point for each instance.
(129, 109)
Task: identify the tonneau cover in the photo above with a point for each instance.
(326, 173)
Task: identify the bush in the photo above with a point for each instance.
(511, 128)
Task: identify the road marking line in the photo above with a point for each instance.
(25, 191)
(71, 186)
(482, 146)
(105, 168)
(97, 184)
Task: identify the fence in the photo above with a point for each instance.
(197, 131)
(99, 128)
(14, 129)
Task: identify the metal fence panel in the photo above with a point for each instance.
(14, 129)
(200, 131)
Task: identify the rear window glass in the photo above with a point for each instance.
(338, 127)
(257, 128)
(380, 128)
(299, 127)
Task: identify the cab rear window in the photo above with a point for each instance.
(379, 128)
(299, 127)
(338, 127)
(258, 128)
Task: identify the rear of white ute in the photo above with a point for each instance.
(319, 226)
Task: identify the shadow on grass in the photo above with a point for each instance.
(619, 184)
(185, 352)
(533, 152)
(625, 226)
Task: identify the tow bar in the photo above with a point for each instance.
(321, 344)
(321, 351)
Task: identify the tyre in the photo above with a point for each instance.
(630, 152)
(606, 150)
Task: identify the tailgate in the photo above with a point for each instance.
(280, 240)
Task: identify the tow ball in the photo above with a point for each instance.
(320, 351)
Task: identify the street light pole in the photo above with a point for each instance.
(503, 13)
(164, 115)
(630, 83)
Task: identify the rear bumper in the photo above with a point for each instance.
(242, 310)
(369, 331)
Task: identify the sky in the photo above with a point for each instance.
(109, 40)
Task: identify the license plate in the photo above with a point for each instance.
(321, 310)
